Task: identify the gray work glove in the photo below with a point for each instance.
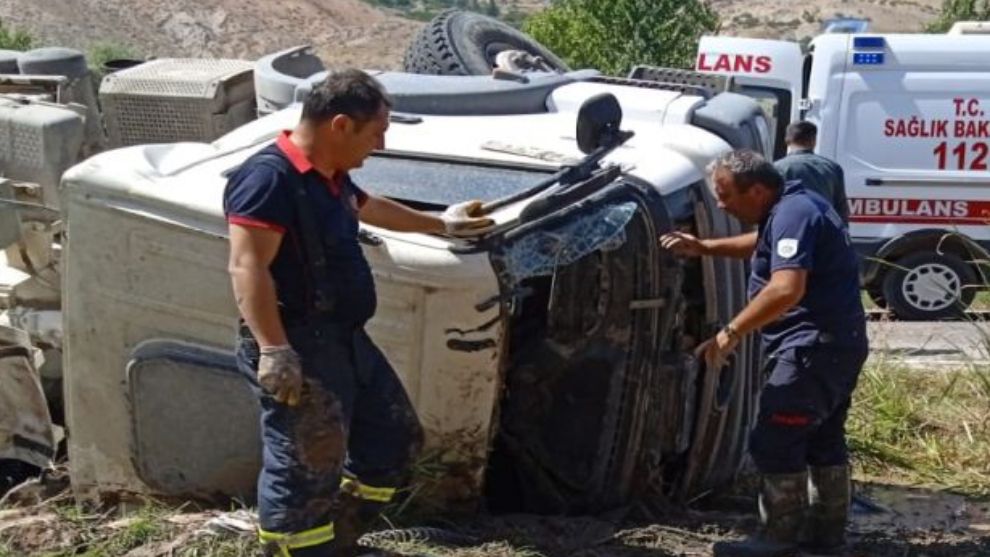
(280, 373)
(466, 219)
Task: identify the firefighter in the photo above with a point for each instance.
(338, 429)
(805, 301)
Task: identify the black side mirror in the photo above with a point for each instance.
(598, 122)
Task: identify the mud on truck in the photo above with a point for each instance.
(550, 361)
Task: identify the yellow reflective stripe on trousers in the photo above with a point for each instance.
(306, 538)
(367, 492)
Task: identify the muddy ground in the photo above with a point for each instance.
(888, 521)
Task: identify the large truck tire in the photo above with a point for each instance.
(929, 286)
(456, 42)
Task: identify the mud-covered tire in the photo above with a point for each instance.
(456, 42)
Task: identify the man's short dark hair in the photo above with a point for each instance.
(747, 168)
(801, 133)
(350, 92)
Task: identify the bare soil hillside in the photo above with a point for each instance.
(345, 32)
(354, 33)
(797, 20)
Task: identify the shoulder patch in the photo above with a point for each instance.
(787, 247)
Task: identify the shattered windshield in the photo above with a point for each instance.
(543, 251)
(442, 183)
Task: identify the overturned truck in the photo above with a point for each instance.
(550, 361)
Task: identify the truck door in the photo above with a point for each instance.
(769, 71)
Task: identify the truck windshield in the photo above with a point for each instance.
(440, 182)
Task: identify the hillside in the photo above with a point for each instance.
(797, 20)
(353, 32)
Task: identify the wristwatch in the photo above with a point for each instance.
(732, 333)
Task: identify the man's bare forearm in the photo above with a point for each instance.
(254, 290)
(784, 290)
(738, 247)
(385, 213)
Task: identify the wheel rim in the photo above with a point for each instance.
(492, 50)
(931, 287)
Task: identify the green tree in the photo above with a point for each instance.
(615, 35)
(14, 39)
(960, 10)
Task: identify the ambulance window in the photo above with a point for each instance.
(776, 104)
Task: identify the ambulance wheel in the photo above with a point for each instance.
(456, 42)
(929, 286)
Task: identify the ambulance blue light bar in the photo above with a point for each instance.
(869, 42)
(867, 58)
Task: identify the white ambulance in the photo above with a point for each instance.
(908, 118)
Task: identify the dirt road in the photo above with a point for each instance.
(938, 345)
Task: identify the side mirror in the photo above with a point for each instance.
(598, 122)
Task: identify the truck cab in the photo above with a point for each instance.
(905, 117)
(551, 361)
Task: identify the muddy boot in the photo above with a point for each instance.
(829, 493)
(354, 517)
(783, 504)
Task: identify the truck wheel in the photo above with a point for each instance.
(929, 286)
(465, 43)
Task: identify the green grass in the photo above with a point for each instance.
(923, 427)
(102, 52)
(14, 39)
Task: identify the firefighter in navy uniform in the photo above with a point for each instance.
(805, 300)
(338, 430)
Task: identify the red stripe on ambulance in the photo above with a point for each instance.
(919, 211)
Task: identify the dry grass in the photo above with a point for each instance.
(924, 428)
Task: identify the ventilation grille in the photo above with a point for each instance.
(171, 100)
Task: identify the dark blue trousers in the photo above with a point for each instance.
(803, 408)
(354, 421)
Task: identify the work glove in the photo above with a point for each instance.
(466, 219)
(280, 373)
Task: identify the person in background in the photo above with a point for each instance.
(817, 173)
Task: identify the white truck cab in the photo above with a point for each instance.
(906, 118)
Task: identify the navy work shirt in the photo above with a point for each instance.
(819, 174)
(261, 195)
(803, 231)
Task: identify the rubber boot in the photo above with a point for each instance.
(354, 517)
(783, 504)
(829, 494)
